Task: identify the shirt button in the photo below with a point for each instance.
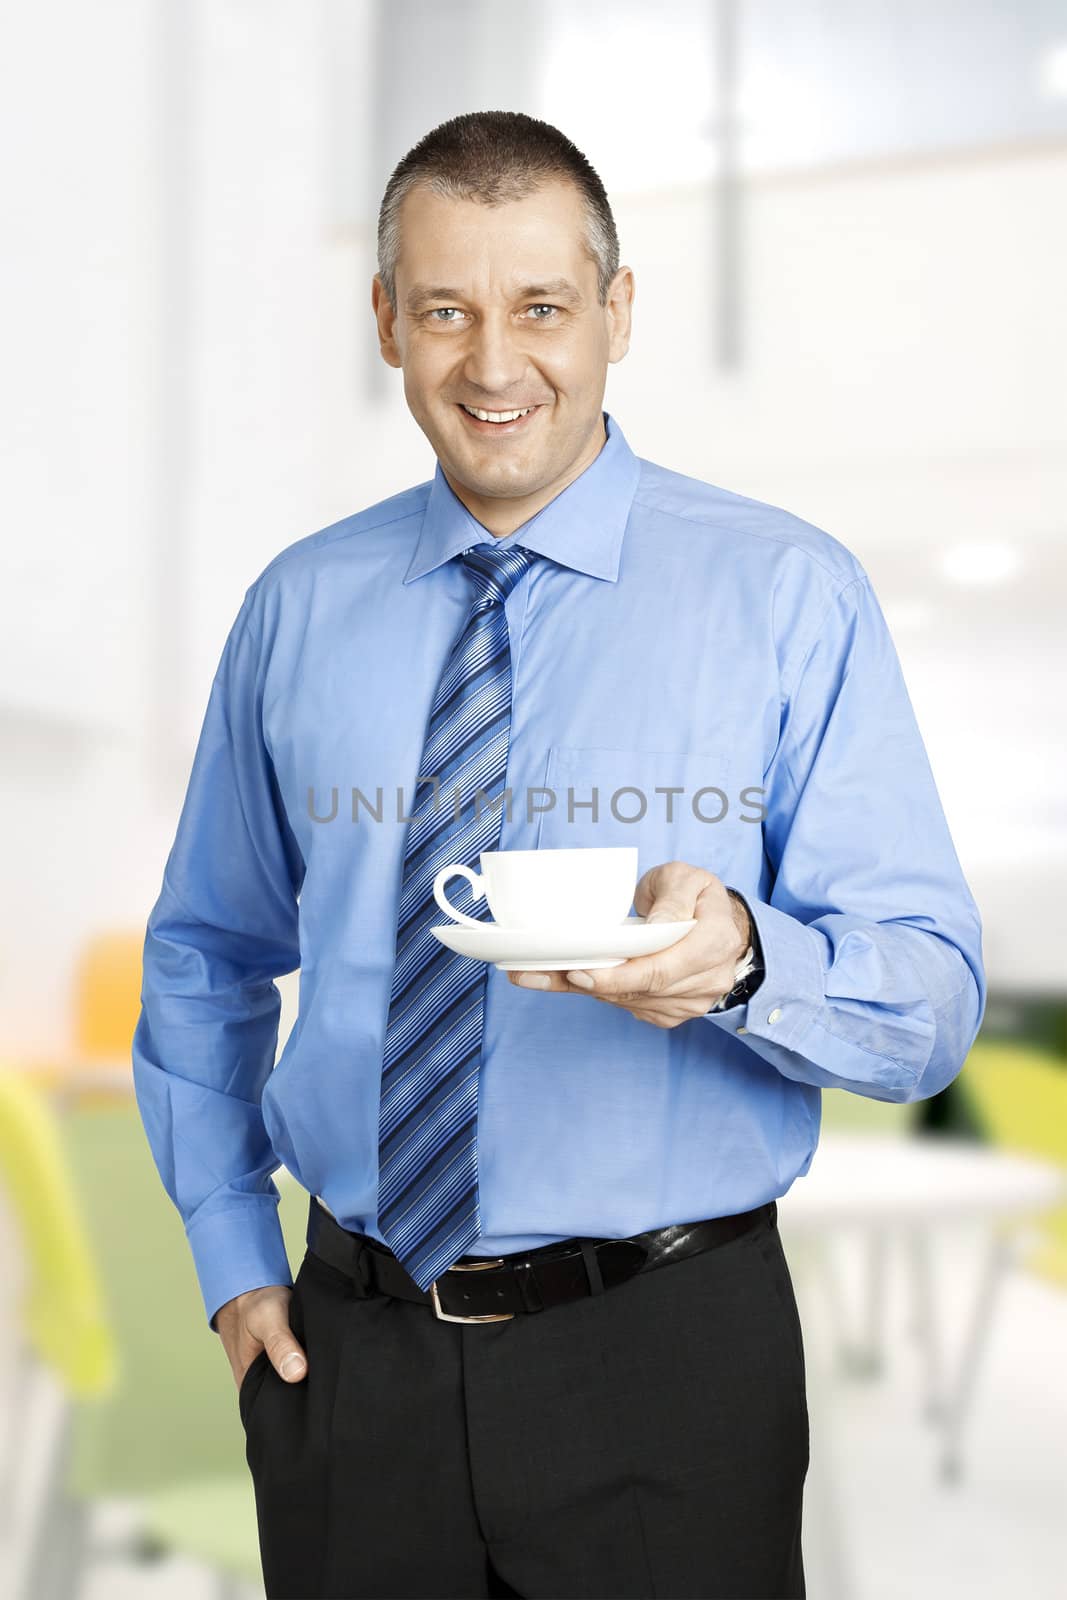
(775, 1015)
(742, 1030)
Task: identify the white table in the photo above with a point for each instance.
(909, 1189)
(912, 1187)
(906, 1181)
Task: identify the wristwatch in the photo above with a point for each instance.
(749, 972)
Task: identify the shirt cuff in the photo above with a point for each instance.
(238, 1249)
(792, 990)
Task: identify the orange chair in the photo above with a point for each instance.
(107, 996)
(106, 1002)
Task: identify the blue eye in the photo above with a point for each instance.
(445, 313)
(548, 308)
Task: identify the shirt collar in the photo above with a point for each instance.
(581, 528)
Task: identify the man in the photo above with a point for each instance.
(544, 1340)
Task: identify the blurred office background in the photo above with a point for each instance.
(848, 225)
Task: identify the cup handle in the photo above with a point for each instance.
(458, 871)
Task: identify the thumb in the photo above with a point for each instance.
(293, 1364)
(667, 911)
(285, 1354)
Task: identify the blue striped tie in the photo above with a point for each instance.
(427, 1149)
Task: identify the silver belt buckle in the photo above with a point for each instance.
(469, 1266)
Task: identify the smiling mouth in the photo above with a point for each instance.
(497, 417)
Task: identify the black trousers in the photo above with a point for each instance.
(651, 1440)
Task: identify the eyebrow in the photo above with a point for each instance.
(423, 294)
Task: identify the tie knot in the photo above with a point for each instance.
(495, 572)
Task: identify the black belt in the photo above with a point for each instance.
(496, 1288)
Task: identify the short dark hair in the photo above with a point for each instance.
(494, 157)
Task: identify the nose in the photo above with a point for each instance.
(495, 361)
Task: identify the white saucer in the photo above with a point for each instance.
(538, 950)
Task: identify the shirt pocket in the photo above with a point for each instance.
(673, 805)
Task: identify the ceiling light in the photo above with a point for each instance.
(981, 563)
(1054, 72)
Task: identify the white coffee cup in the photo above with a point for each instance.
(580, 888)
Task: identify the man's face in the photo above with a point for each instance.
(497, 312)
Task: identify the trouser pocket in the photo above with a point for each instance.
(251, 1384)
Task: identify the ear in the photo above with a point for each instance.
(619, 310)
(386, 320)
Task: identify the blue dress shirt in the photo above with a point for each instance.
(721, 674)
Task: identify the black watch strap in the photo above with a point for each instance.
(747, 985)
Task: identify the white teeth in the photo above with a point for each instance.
(496, 416)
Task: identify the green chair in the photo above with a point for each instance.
(61, 1320)
(165, 1432)
(63, 1315)
(1019, 1096)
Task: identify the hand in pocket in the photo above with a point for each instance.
(258, 1321)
